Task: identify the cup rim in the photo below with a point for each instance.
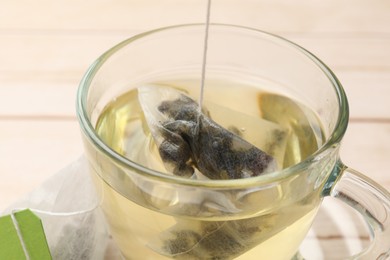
(332, 141)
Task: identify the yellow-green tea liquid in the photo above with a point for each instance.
(141, 233)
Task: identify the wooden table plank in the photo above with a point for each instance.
(33, 150)
(350, 16)
(38, 98)
(57, 53)
(366, 148)
(52, 53)
(368, 93)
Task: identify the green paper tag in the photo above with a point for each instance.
(31, 232)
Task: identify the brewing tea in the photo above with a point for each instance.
(245, 131)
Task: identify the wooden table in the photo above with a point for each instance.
(46, 46)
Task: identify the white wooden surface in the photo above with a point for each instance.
(46, 46)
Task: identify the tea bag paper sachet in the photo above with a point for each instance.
(175, 121)
(192, 144)
(67, 205)
(197, 239)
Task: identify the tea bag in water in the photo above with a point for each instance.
(189, 139)
(192, 239)
(263, 134)
(192, 144)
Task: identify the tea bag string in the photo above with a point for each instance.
(58, 214)
(205, 47)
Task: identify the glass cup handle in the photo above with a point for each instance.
(371, 201)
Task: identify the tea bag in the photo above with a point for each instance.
(193, 239)
(263, 134)
(193, 145)
(188, 139)
(73, 223)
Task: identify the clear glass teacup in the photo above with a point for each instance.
(278, 91)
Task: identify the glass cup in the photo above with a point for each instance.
(153, 215)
